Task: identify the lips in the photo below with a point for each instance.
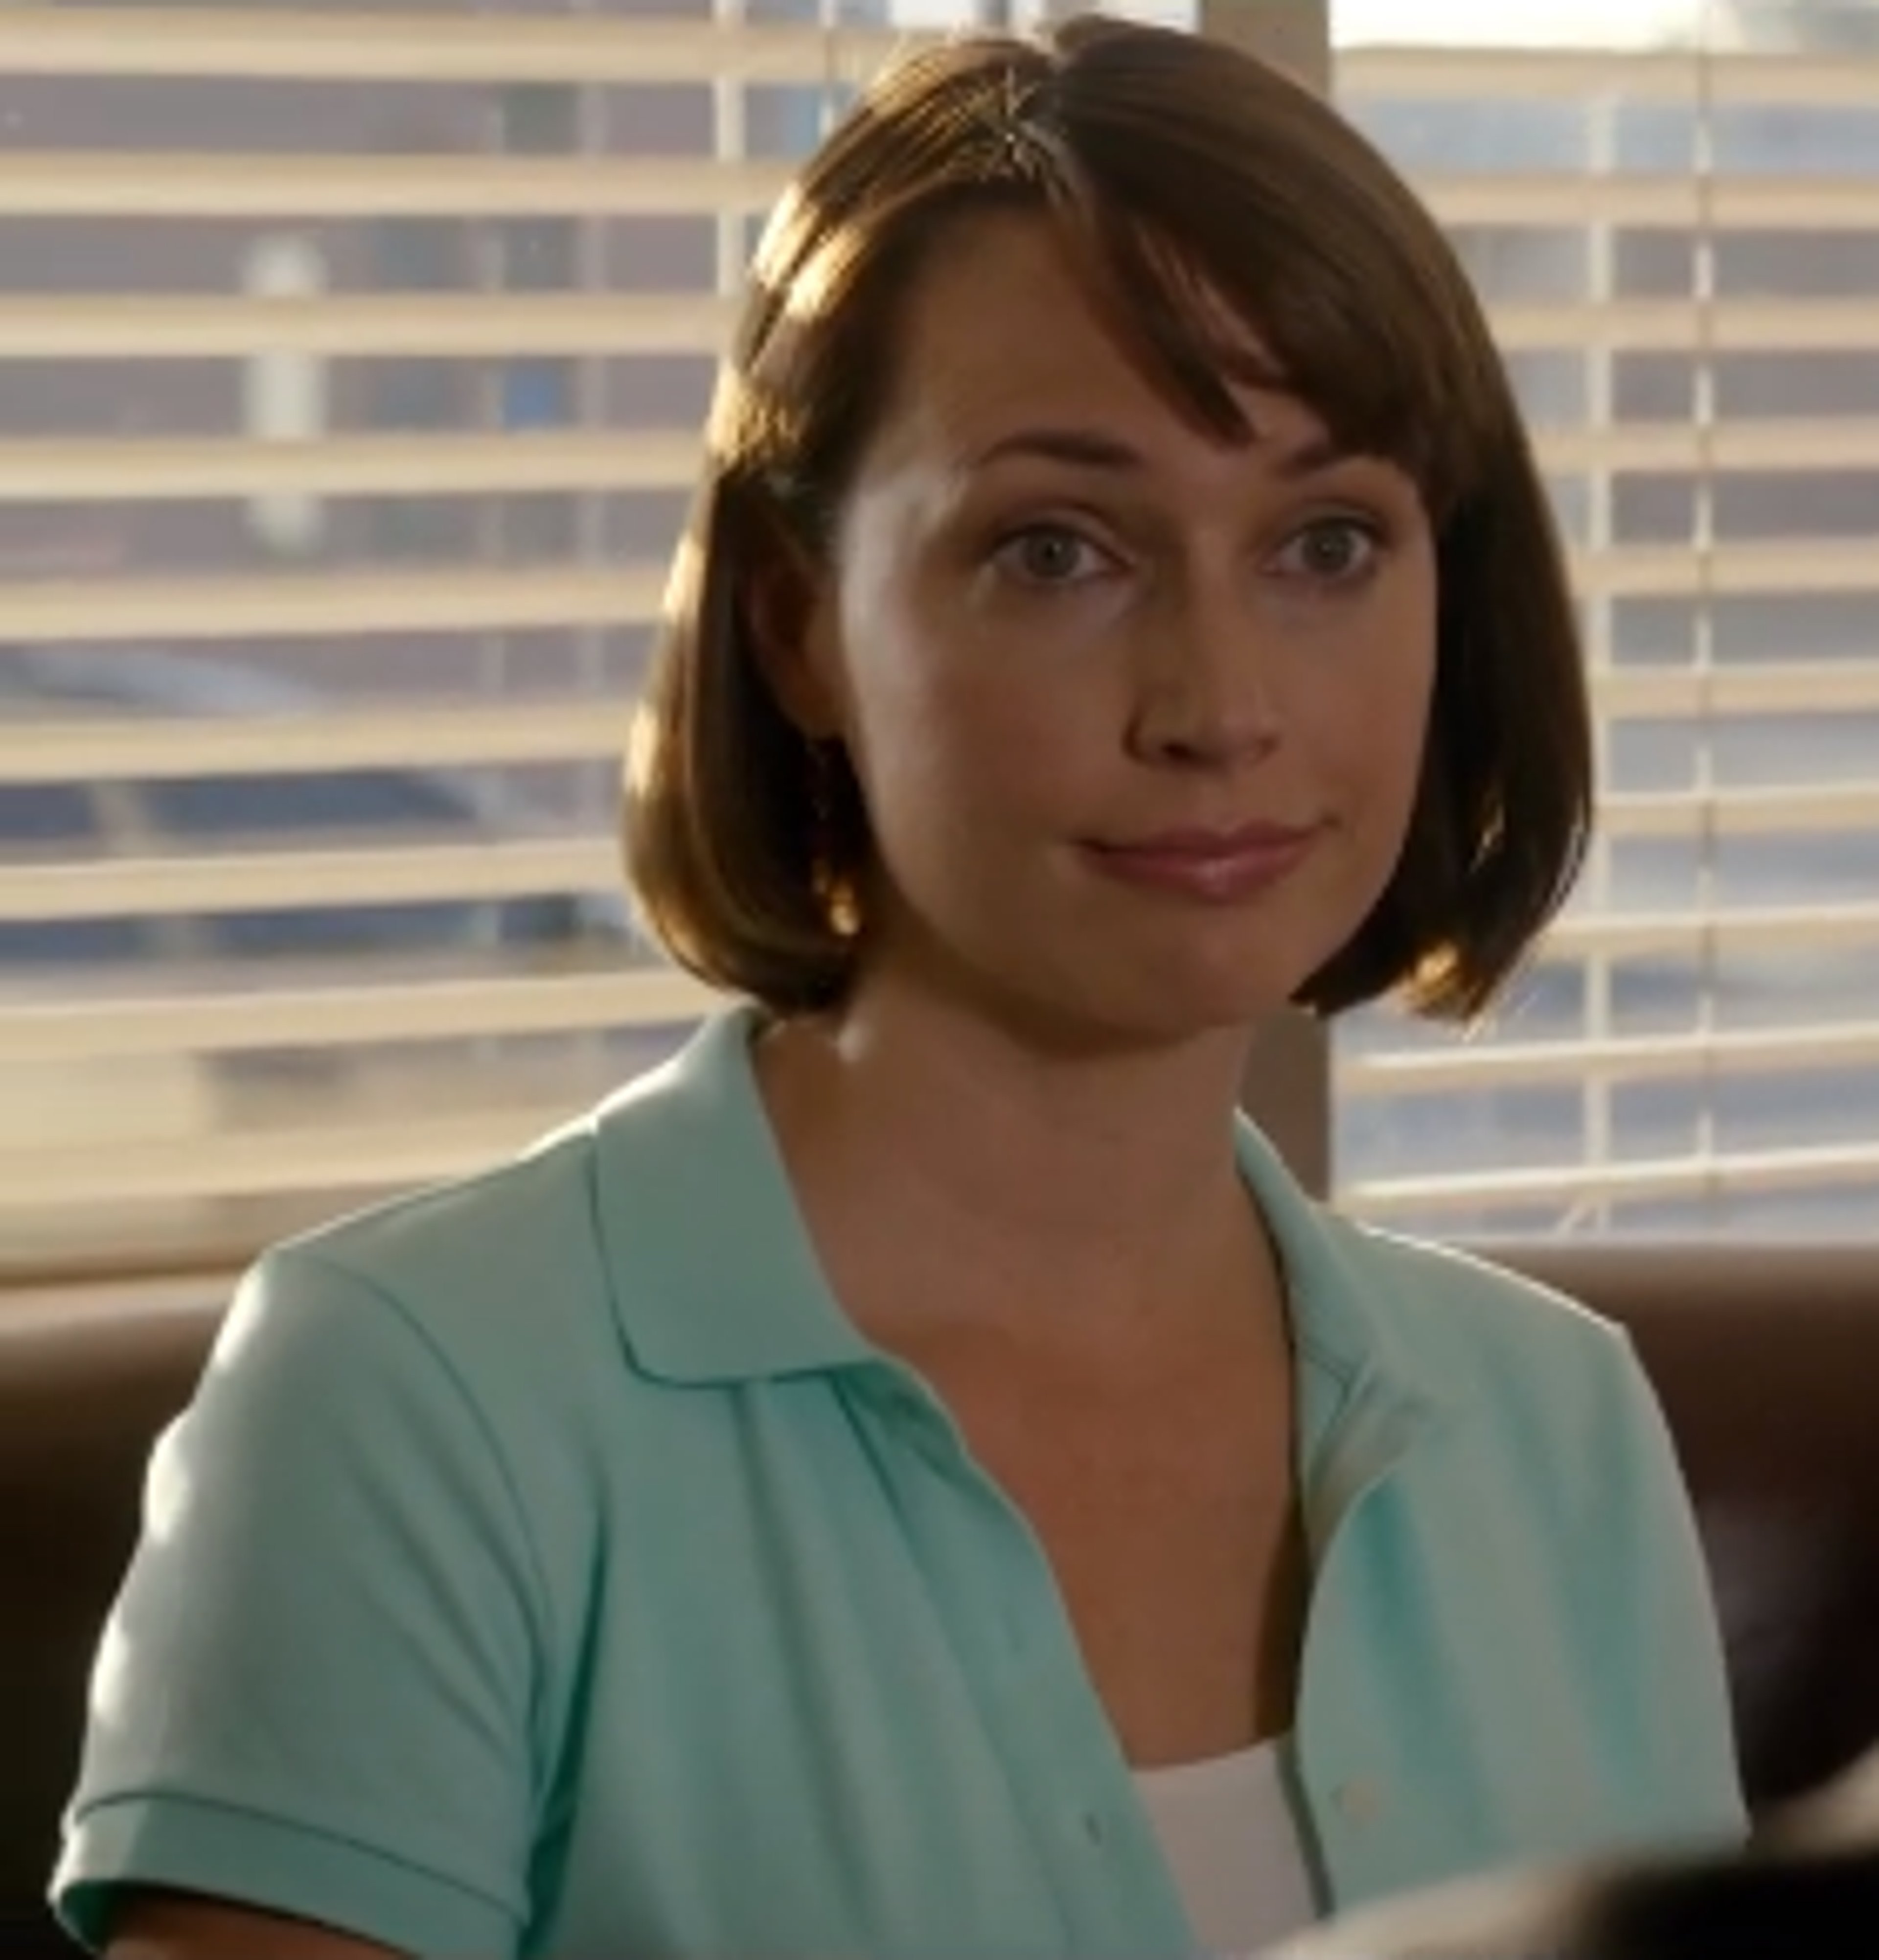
(1217, 867)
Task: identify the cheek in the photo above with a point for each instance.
(948, 753)
(1391, 724)
(1401, 719)
(1368, 726)
(942, 708)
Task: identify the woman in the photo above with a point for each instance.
(913, 1478)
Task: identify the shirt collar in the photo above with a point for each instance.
(1337, 1277)
(714, 1278)
(1366, 1396)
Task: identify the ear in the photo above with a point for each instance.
(789, 609)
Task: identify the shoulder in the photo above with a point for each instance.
(488, 1280)
(1480, 1297)
(1541, 1369)
(1431, 1322)
(535, 1294)
(447, 1371)
(1464, 1307)
(478, 1317)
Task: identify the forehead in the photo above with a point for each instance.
(1000, 327)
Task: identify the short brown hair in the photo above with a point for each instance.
(1182, 175)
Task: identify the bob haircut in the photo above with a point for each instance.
(1205, 198)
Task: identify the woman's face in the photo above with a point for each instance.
(1137, 714)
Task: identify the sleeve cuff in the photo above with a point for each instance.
(189, 1845)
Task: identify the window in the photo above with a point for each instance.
(1673, 212)
(52, 821)
(352, 360)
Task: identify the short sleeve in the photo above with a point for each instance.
(315, 1693)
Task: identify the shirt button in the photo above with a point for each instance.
(1093, 1829)
(1360, 1801)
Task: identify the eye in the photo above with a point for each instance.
(1051, 555)
(1333, 550)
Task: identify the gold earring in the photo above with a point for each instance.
(832, 883)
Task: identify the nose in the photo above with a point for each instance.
(1206, 695)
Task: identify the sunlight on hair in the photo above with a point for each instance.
(804, 259)
(1433, 977)
(642, 747)
(790, 224)
(685, 581)
(725, 419)
(820, 278)
(748, 424)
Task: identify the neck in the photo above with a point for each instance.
(1109, 1179)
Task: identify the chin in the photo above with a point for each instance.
(1111, 999)
(1178, 1009)
(1202, 997)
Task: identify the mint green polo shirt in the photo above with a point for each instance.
(547, 1567)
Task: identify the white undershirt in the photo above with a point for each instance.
(1228, 1832)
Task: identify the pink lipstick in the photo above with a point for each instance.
(1215, 867)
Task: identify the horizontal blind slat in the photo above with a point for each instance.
(56, 470)
(391, 735)
(1811, 928)
(1578, 198)
(1626, 1180)
(1727, 326)
(1724, 813)
(1693, 1056)
(166, 185)
(1776, 444)
(1798, 687)
(415, 1148)
(376, 45)
(1732, 567)
(167, 609)
(277, 881)
(222, 1022)
(144, 327)
(1597, 78)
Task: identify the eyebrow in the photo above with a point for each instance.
(1090, 449)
